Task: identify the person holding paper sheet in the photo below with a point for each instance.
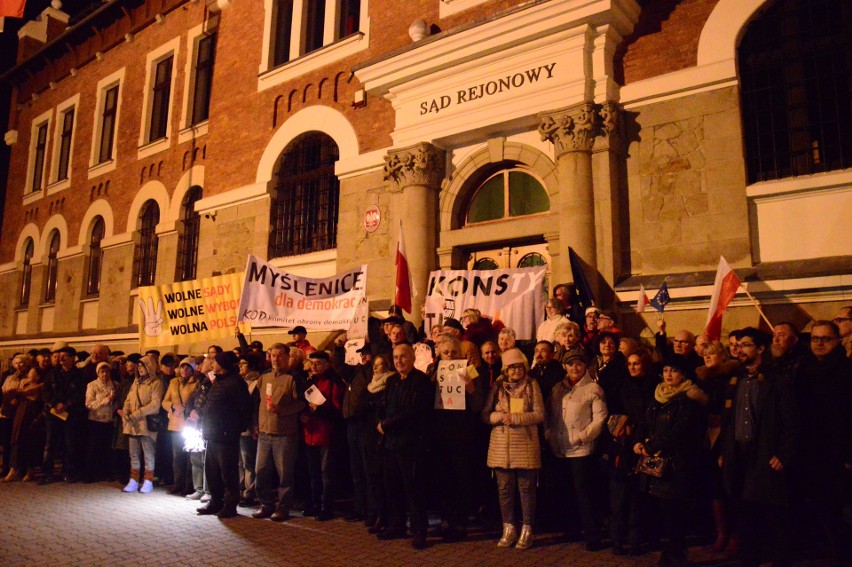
(514, 409)
(324, 394)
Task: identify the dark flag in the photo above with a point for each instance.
(584, 296)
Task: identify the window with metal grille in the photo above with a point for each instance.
(303, 216)
(38, 158)
(188, 230)
(96, 256)
(108, 124)
(796, 70)
(27, 275)
(203, 78)
(145, 253)
(52, 269)
(283, 31)
(65, 144)
(160, 102)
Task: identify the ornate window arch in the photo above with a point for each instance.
(96, 256)
(188, 234)
(305, 197)
(508, 190)
(147, 241)
(52, 267)
(27, 275)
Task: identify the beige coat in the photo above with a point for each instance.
(514, 446)
(136, 408)
(283, 419)
(178, 397)
(576, 418)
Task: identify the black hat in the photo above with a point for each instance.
(153, 351)
(257, 345)
(299, 330)
(134, 357)
(678, 363)
(454, 324)
(320, 355)
(365, 349)
(168, 360)
(227, 360)
(70, 351)
(394, 319)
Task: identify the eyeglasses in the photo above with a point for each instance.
(515, 367)
(823, 340)
(677, 342)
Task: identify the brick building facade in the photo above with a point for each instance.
(160, 140)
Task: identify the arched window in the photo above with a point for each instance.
(145, 253)
(795, 65)
(485, 264)
(531, 260)
(303, 215)
(96, 255)
(27, 276)
(52, 268)
(188, 229)
(511, 192)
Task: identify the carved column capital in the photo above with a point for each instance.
(612, 124)
(420, 164)
(572, 129)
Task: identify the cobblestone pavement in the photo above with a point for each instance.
(97, 524)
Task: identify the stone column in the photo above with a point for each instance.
(415, 173)
(572, 132)
(608, 160)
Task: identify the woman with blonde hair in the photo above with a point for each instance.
(514, 409)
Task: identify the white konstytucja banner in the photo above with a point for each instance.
(278, 299)
(514, 297)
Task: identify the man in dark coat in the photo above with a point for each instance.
(760, 434)
(409, 396)
(226, 415)
(824, 388)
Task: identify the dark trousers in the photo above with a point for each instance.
(321, 494)
(98, 451)
(454, 472)
(577, 475)
(76, 432)
(6, 443)
(357, 465)
(405, 484)
(248, 464)
(222, 469)
(162, 462)
(625, 511)
(180, 463)
(55, 441)
(374, 459)
(763, 528)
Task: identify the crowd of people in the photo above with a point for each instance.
(625, 445)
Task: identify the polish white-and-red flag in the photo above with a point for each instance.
(12, 8)
(642, 302)
(724, 289)
(402, 293)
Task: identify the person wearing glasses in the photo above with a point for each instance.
(760, 442)
(843, 320)
(682, 347)
(823, 389)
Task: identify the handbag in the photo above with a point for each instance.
(653, 465)
(155, 423)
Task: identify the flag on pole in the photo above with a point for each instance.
(661, 299)
(642, 301)
(724, 289)
(402, 293)
(12, 8)
(585, 296)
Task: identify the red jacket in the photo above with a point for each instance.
(318, 426)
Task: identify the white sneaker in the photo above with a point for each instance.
(205, 498)
(147, 487)
(194, 496)
(132, 486)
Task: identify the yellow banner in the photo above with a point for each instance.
(190, 312)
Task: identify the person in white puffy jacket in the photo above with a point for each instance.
(575, 421)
